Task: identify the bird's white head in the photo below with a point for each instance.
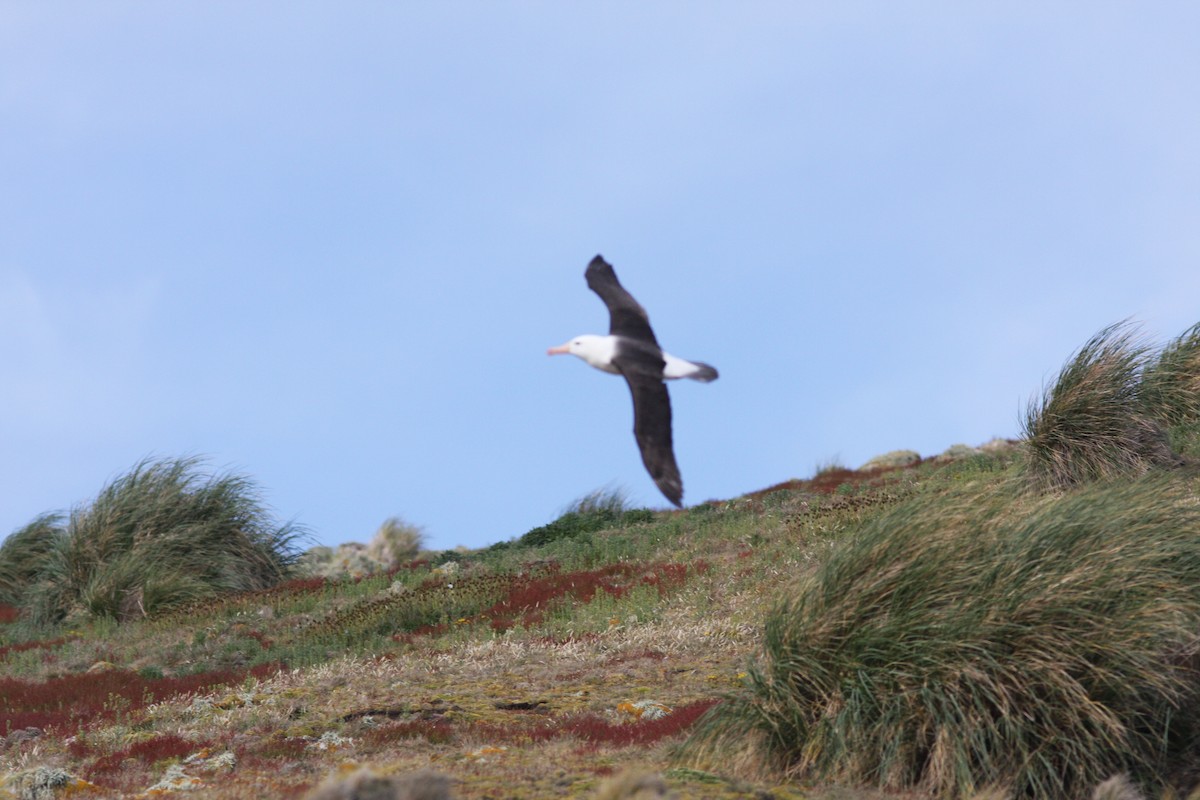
(595, 350)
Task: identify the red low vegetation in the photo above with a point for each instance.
(533, 728)
(527, 598)
(593, 728)
(20, 647)
(69, 702)
(830, 480)
(425, 630)
(297, 586)
(148, 752)
(596, 730)
(527, 602)
(435, 731)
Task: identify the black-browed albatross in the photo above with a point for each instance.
(630, 349)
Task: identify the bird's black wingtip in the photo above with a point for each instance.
(600, 273)
(672, 491)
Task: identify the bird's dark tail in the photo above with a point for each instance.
(705, 374)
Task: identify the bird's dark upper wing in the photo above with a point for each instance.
(652, 428)
(626, 317)
(640, 360)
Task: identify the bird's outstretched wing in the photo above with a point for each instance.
(626, 316)
(652, 429)
(640, 361)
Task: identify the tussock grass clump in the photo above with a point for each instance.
(1095, 421)
(985, 638)
(162, 535)
(24, 554)
(1171, 383)
(1117, 408)
(395, 543)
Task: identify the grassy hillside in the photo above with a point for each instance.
(1016, 621)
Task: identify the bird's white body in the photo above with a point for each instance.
(599, 352)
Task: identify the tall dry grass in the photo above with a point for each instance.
(1096, 420)
(164, 534)
(23, 555)
(1170, 388)
(395, 542)
(985, 638)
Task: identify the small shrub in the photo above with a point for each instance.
(569, 526)
(984, 638)
(395, 543)
(41, 783)
(594, 512)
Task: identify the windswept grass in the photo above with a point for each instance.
(24, 554)
(162, 535)
(985, 638)
(1171, 383)
(1098, 420)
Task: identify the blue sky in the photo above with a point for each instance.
(326, 245)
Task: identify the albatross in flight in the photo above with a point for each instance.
(631, 350)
